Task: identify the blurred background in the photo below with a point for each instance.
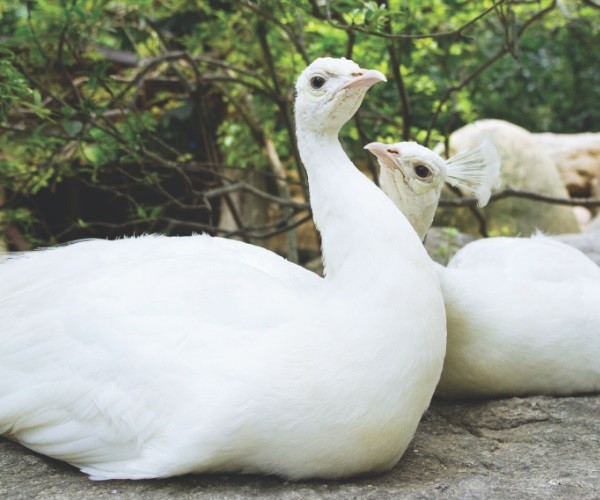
(176, 116)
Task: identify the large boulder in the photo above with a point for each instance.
(525, 165)
(577, 157)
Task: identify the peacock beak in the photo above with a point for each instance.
(384, 152)
(364, 78)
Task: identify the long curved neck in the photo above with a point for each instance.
(362, 232)
(418, 209)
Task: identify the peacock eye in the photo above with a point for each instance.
(422, 171)
(316, 82)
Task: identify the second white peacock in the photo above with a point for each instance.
(154, 356)
(523, 313)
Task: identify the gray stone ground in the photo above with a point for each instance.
(538, 447)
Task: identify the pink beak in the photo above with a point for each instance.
(365, 78)
(382, 150)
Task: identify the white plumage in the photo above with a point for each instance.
(523, 313)
(413, 176)
(155, 356)
(548, 338)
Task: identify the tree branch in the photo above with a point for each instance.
(399, 81)
(529, 195)
(506, 48)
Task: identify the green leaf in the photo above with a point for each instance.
(72, 127)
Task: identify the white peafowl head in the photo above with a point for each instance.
(329, 92)
(412, 176)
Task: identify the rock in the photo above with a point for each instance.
(525, 165)
(583, 216)
(594, 224)
(588, 241)
(442, 243)
(577, 157)
(539, 447)
(595, 187)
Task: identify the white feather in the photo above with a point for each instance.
(475, 171)
(523, 313)
(523, 318)
(155, 356)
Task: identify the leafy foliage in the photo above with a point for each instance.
(121, 117)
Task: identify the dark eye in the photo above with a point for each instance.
(316, 82)
(422, 171)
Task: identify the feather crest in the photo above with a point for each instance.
(475, 171)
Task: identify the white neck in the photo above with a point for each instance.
(363, 234)
(419, 209)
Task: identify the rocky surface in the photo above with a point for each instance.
(577, 157)
(538, 447)
(587, 242)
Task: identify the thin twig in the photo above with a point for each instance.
(456, 33)
(295, 39)
(249, 188)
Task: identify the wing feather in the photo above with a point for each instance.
(96, 336)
